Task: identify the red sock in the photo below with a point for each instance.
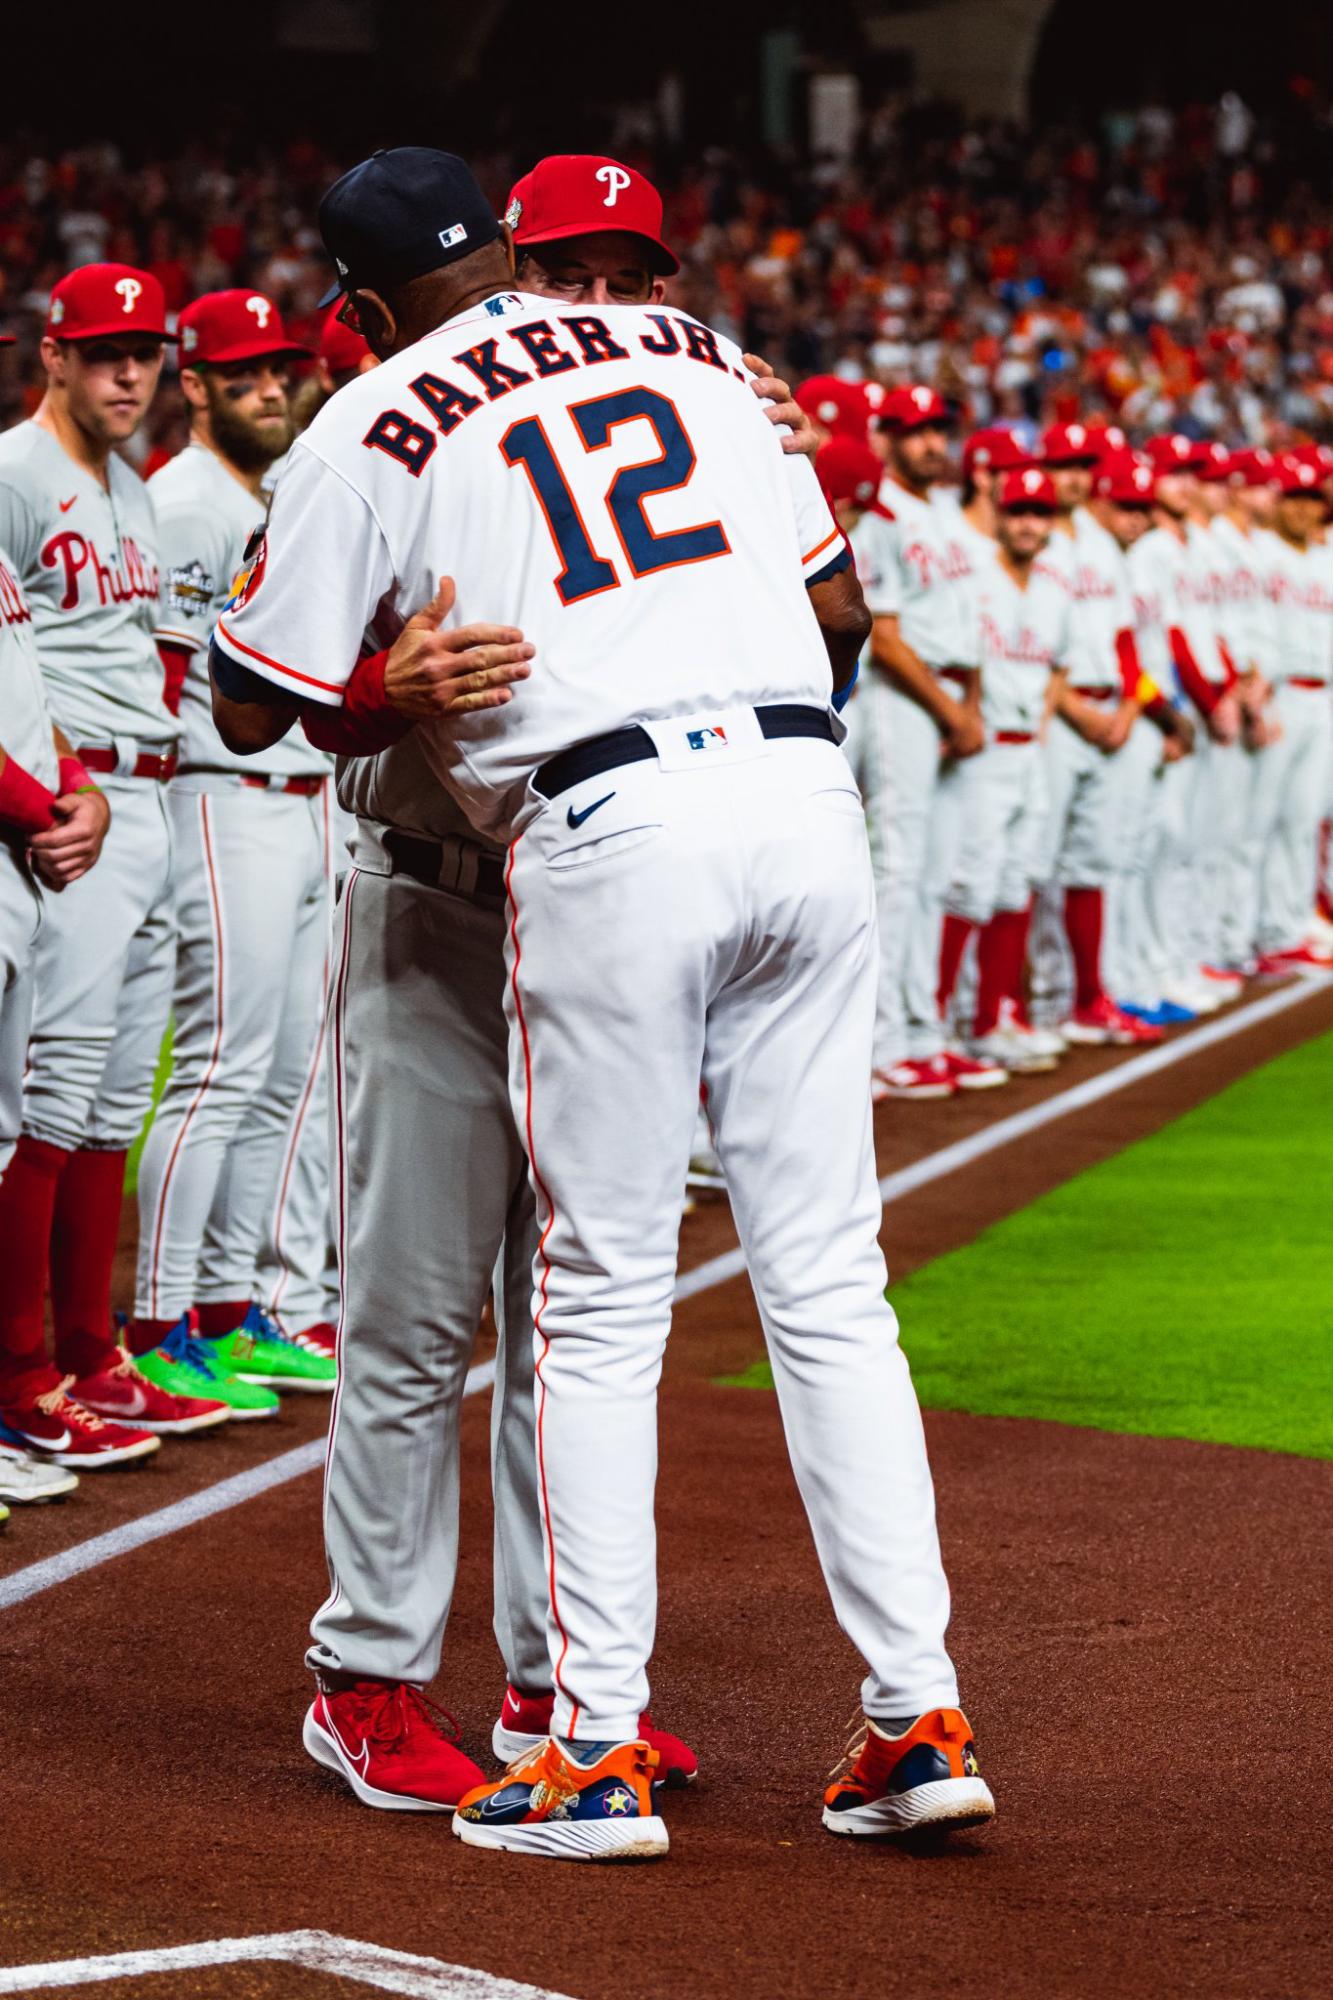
(1000, 950)
(953, 943)
(223, 1318)
(27, 1203)
(145, 1335)
(83, 1250)
(1083, 922)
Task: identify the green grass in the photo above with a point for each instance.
(1182, 1289)
(159, 1085)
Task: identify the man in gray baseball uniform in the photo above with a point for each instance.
(53, 820)
(79, 526)
(253, 869)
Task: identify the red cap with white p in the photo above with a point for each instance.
(102, 299)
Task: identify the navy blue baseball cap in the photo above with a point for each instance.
(400, 214)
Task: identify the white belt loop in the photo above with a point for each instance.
(127, 755)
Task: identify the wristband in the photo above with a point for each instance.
(74, 778)
(24, 803)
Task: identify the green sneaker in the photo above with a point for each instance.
(257, 1352)
(184, 1366)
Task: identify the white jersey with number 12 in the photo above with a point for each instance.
(607, 481)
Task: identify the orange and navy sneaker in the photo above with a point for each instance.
(927, 1778)
(525, 1719)
(598, 1807)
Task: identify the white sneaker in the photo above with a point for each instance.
(1013, 1048)
(1045, 1041)
(27, 1480)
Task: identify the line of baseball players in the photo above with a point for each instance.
(205, 899)
(1092, 728)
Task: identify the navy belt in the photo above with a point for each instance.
(635, 746)
(423, 860)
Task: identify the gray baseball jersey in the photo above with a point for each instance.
(25, 724)
(87, 556)
(205, 519)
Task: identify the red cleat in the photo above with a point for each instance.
(525, 1722)
(974, 1072)
(57, 1428)
(1103, 1023)
(925, 1080)
(124, 1396)
(321, 1338)
(382, 1737)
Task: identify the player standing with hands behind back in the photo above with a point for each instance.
(633, 780)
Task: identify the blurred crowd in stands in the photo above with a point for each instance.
(1166, 269)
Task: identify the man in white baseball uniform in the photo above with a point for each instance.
(1291, 783)
(1024, 620)
(253, 872)
(79, 527)
(1096, 709)
(632, 780)
(918, 728)
(53, 820)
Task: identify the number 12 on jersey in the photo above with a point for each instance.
(583, 572)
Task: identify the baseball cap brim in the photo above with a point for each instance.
(664, 264)
(250, 350)
(116, 328)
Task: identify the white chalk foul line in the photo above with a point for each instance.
(949, 1159)
(319, 1951)
(217, 1499)
(39, 1576)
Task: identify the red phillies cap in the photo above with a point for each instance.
(581, 194)
(1071, 444)
(847, 469)
(1127, 479)
(1317, 455)
(1293, 475)
(1253, 468)
(341, 349)
(1214, 463)
(233, 326)
(1174, 452)
(997, 448)
(100, 299)
(909, 409)
(1027, 491)
(845, 409)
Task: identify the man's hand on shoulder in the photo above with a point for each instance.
(783, 410)
(430, 673)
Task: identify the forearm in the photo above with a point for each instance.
(251, 714)
(910, 675)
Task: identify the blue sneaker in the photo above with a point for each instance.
(1171, 1014)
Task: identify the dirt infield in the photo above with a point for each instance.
(1142, 1629)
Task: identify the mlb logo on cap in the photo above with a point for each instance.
(712, 738)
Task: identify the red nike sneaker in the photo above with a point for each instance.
(1103, 1024)
(125, 1396)
(62, 1430)
(383, 1738)
(525, 1722)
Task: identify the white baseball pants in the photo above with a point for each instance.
(103, 971)
(20, 920)
(716, 920)
(252, 905)
(434, 1211)
(1290, 793)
